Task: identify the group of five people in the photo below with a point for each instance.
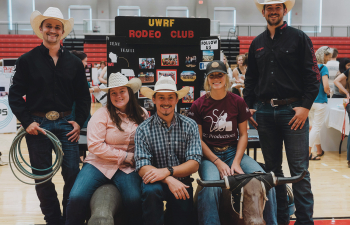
(151, 159)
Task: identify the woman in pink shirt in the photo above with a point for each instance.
(110, 136)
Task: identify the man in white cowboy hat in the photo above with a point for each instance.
(52, 79)
(167, 151)
(281, 85)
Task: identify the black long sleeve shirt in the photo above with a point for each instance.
(49, 87)
(282, 67)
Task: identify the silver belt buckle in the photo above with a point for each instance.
(271, 101)
(52, 115)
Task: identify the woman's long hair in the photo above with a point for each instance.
(133, 110)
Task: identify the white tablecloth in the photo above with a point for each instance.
(331, 130)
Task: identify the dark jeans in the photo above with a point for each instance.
(89, 179)
(40, 154)
(178, 212)
(273, 130)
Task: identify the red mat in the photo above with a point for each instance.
(328, 222)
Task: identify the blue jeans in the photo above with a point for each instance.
(348, 144)
(178, 212)
(273, 129)
(40, 154)
(89, 179)
(209, 197)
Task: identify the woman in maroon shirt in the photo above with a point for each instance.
(222, 118)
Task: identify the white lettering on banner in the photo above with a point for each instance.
(7, 119)
(130, 50)
(210, 44)
(113, 43)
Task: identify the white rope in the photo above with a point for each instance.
(264, 190)
(241, 205)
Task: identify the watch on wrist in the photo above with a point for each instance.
(171, 170)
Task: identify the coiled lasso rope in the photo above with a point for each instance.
(15, 153)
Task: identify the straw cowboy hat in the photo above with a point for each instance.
(119, 80)
(36, 18)
(164, 84)
(289, 4)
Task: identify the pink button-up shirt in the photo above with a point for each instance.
(107, 144)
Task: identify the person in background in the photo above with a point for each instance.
(319, 107)
(344, 64)
(239, 74)
(333, 68)
(221, 117)
(343, 83)
(111, 145)
(102, 73)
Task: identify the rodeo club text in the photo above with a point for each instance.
(157, 33)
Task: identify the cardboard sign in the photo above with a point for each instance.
(210, 44)
(162, 30)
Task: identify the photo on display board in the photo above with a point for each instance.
(146, 77)
(88, 78)
(184, 111)
(87, 74)
(167, 73)
(189, 98)
(203, 65)
(202, 93)
(139, 95)
(88, 65)
(147, 63)
(191, 61)
(208, 55)
(188, 76)
(170, 60)
(148, 104)
(87, 70)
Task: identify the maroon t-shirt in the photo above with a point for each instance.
(220, 118)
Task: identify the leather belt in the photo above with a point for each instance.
(52, 115)
(219, 149)
(277, 102)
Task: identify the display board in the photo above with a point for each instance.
(7, 118)
(148, 48)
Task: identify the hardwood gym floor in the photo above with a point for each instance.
(330, 179)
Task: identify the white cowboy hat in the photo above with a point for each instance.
(289, 4)
(119, 80)
(36, 18)
(164, 84)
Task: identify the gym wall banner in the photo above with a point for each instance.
(150, 47)
(8, 120)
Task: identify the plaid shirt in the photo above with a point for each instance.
(161, 146)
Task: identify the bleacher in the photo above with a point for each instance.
(13, 46)
(341, 43)
(96, 52)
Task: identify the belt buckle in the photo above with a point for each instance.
(222, 149)
(52, 115)
(271, 101)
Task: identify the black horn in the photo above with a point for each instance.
(212, 183)
(295, 179)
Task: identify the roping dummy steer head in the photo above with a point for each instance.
(244, 196)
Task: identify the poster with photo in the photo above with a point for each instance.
(148, 104)
(208, 55)
(202, 93)
(167, 73)
(146, 77)
(189, 98)
(191, 61)
(203, 65)
(139, 95)
(147, 63)
(170, 60)
(188, 76)
(184, 111)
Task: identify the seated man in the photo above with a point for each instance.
(167, 151)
